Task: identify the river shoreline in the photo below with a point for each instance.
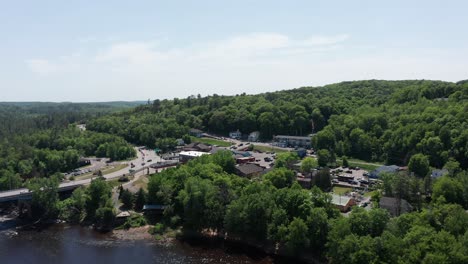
(12, 226)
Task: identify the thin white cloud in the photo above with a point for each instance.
(249, 63)
(41, 66)
(325, 40)
(235, 50)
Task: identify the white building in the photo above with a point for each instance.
(235, 134)
(185, 156)
(293, 141)
(254, 136)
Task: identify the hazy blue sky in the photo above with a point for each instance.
(130, 50)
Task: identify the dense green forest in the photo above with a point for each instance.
(40, 139)
(204, 197)
(414, 123)
(385, 121)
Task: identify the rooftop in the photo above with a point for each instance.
(292, 137)
(153, 207)
(249, 168)
(193, 153)
(340, 200)
(391, 205)
(194, 130)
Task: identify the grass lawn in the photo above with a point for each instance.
(269, 149)
(369, 166)
(341, 190)
(114, 183)
(114, 169)
(85, 176)
(211, 141)
(369, 194)
(142, 182)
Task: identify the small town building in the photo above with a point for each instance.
(196, 132)
(254, 136)
(301, 152)
(185, 156)
(249, 170)
(439, 173)
(343, 203)
(235, 134)
(239, 153)
(153, 209)
(123, 214)
(197, 146)
(242, 159)
(345, 178)
(293, 141)
(165, 163)
(394, 206)
(81, 127)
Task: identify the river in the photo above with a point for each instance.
(74, 244)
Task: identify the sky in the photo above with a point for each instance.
(89, 51)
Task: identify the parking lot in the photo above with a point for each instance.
(350, 177)
(263, 159)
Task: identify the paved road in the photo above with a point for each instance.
(140, 162)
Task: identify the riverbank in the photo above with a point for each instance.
(247, 246)
(260, 252)
(63, 243)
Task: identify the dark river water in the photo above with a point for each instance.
(74, 244)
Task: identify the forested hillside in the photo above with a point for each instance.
(385, 121)
(41, 139)
(21, 117)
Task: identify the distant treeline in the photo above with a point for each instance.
(372, 120)
(24, 117)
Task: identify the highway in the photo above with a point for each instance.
(141, 162)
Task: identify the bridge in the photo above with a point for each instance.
(26, 194)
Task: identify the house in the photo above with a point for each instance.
(301, 152)
(180, 142)
(438, 173)
(153, 209)
(185, 156)
(197, 146)
(343, 203)
(293, 141)
(383, 169)
(196, 132)
(235, 134)
(249, 170)
(81, 127)
(254, 136)
(395, 206)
